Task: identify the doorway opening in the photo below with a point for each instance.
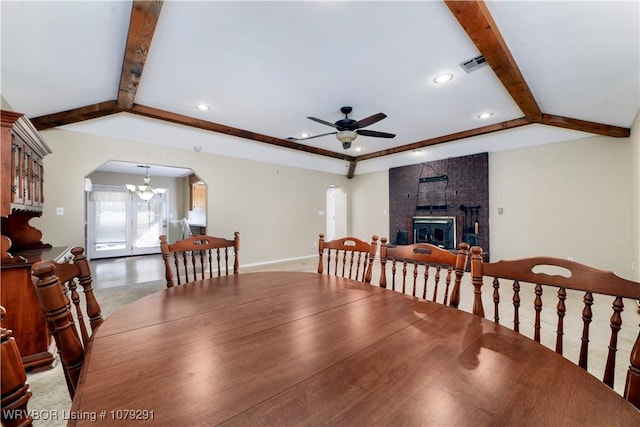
(336, 213)
(124, 220)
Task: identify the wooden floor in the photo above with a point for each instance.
(110, 272)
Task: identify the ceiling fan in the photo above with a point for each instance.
(348, 129)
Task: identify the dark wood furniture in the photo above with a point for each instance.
(347, 257)
(22, 150)
(291, 348)
(24, 315)
(13, 378)
(21, 196)
(425, 264)
(531, 285)
(73, 272)
(56, 307)
(198, 257)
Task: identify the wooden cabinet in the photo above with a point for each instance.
(25, 317)
(22, 150)
(198, 197)
(21, 189)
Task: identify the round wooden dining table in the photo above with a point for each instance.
(293, 348)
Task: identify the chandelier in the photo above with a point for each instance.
(145, 191)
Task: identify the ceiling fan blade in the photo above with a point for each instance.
(322, 121)
(291, 138)
(374, 133)
(368, 121)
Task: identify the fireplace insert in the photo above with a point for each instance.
(436, 230)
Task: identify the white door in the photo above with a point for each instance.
(336, 213)
(119, 223)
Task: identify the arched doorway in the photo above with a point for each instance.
(120, 220)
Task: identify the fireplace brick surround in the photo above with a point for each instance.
(441, 188)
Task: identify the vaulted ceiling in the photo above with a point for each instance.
(548, 72)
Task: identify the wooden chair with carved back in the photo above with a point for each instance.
(56, 285)
(581, 299)
(198, 257)
(347, 257)
(418, 270)
(13, 379)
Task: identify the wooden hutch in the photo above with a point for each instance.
(21, 199)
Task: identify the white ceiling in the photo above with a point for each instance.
(265, 66)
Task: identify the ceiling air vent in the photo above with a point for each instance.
(473, 64)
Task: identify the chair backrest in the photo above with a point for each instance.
(13, 378)
(347, 257)
(76, 271)
(425, 264)
(56, 300)
(569, 285)
(198, 257)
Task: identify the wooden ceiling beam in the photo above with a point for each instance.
(473, 16)
(477, 22)
(228, 130)
(585, 126)
(142, 25)
(352, 168)
(76, 115)
(510, 124)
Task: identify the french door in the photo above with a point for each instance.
(119, 223)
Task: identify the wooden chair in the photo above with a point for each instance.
(13, 378)
(350, 257)
(76, 271)
(56, 287)
(197, 257)
(569, 285)
(425, 264)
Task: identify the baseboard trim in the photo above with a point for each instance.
(276, 261)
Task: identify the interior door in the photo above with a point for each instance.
(148, 219)
(119, 223)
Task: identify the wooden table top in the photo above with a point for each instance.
(291, 348)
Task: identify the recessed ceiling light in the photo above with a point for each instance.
(358, 149)
(304, 135)
(416, 152)
(203, 107)
(483, 116)
(443, 78)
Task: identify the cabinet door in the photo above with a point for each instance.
(17, 157)
(198, 197)
(27, 180)
(36, 180)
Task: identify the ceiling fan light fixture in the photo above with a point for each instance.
(346, 137)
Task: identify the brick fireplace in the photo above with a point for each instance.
(457, 189)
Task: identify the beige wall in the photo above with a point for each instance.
(369, 205)
(275, 208)
(570, 200)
